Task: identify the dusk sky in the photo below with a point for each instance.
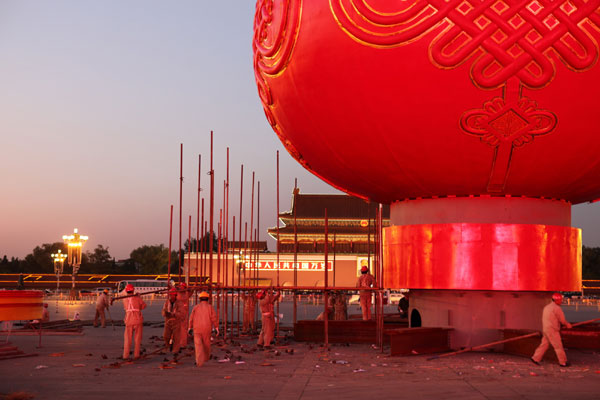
(95, 99)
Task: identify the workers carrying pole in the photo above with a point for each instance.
(183, 296)
(102, 303)
(266, 299)
(552, 319)
(134, 321)
(173, 313)
(202, 319)
(340, 306)
(249, 309)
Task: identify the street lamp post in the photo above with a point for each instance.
(59, 262)
(75, 243)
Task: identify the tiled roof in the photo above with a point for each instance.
(338, 230)
(339, 206)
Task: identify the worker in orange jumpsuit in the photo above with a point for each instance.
(101, 304)
(329, 310)
(183, 296)
(552, 319)
(249, 310)
(202, 319)
(134, 321)
(340, 307)
(173, 313)
(45, 313)
(366, 280)
(266, 300)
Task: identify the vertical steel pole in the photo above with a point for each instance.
(219, 266)
(187, 272)
(202, 246)
(295, 251)
(257, 252)
(380, 260)
(170, 243)
(325, 292)
(232, 279)
(198, 227)
(251, 224)
(211, 216)
(206, 246)
(180, 208)
(369, 236)
(224, 250)
(240, 246)
(227, 242)
(278, 247)
(334, 251)
(245, 251)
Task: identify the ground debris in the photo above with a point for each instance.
(21, 395)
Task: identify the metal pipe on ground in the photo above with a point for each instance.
(483, 346)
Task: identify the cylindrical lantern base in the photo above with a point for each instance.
(481, 264)
(476, 317)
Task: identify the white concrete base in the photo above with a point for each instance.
(477, 316)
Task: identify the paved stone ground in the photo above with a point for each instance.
(72, 367)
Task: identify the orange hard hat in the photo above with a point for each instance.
(129, 288)
(182, 285)
(204, 295)
(557, 297)
(261, 294)
(364, 269)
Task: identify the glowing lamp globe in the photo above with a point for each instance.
(402, 99)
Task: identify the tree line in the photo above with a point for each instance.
(147, 259)
(154, 259)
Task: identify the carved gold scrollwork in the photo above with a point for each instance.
(511, 45)
(276, 26)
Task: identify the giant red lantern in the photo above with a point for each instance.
(392, 100)
(408, 102)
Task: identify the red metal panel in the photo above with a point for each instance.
(482, 257)
(20, 304)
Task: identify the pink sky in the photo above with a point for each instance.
(95, 101)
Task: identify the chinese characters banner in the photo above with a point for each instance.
(289, 266)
